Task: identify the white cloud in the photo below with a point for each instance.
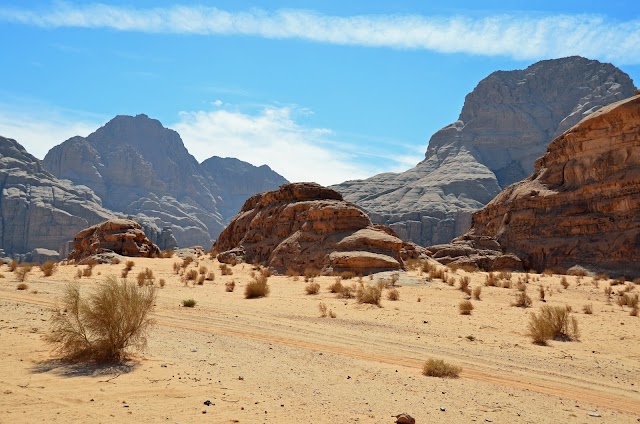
(39, 131)
(271, 137)
(517, 36)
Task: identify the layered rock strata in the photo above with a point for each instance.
(506, 123)
(581, 205)
(305, 225)
(121, 236)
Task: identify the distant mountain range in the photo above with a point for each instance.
(131, 167)
(506, 123)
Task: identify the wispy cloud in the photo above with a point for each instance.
(517, 36)
(273, 137)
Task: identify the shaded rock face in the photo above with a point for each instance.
(581, 205)
(305, 225)
(505, 125)
(238, 181)
(38, 210)
(121, 236)
(139, 168)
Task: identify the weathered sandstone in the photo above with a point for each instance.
(581, 205)
(305, 225)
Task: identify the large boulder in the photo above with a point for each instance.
(121, 236)
(581, 205)
(305, 225)
(506, 123)
(38, 210)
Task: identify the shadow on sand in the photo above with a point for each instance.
(91, 369)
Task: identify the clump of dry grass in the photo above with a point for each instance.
(541, 293)
(437, 272)
(203, 270)
(440, 368)
(177, 267)
(325, 312)
(210, 276)
(162, 283)
(553, 322)
(587, 308)
(48, 268)
(312, 288)
(370, 294)
(191, 275)
(465, 307)
(146, 277)
(230, 286)
(310, 274)
(189, 303)
(167, 253)
(564, 282)
(225, 269)
(258, 287)
(348, 292)
(492, 280)
(201, 278)
(522, 300)
(477, 292)
(336, 287)
(186, 262)
(464, 285)
(13, 265)
(88, 271)
(22, 272)
(347, 275)
(104, 326)
(393, 294)
(129, 265)
(22, 286)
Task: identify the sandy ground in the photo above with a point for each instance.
(276, 360)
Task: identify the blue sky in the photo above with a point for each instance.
(318, 90)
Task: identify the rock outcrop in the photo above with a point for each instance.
(121, 236)
(581, 205)
(37, 210)
(238, 181)
(505, 125)
(305, 225)
(142, 169)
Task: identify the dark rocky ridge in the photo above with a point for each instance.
(38, 210)
(505, 125)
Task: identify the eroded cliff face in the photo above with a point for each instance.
(505, 125)
(305, 225)
(37, 210)
(141, 169)
(581, 205)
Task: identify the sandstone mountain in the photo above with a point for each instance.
(37, 209)
(505, 125)
(581, 205)
(139, 168)
(305, 225)
(238, 181)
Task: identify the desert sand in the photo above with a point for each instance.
(276, 360)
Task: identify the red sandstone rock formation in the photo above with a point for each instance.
(121, 236)
(581, 206)
(305, 225)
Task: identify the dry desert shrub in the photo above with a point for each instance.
(465, 307)
(210, 276)
(312, 288)
(325, 312)
(146, 278)
(491, 280)
(506, 284)
(348, 292)
(79, 274)
(203, 270)
(191, 275)
(553, 322)
(123, 274)
(230, 286)
(547, 272)
(477, 292)
(370, 294)
(189, 303)
(439, 368)
(601, 276)
(541, 293)
(129, 265)
(347, 275)
(13, 265)
(465, 267)
(336, 287)
(201, 280)
(587, 309)
(564, 282)
(48, 268)
(393, 294)
(436, 272)
(505, 275)
(88, 271)
(522, 300)
(167, 253)
(22, 272)
(310, 274)
(104, 325)
(607, 291)
(162, 283)
(22, 286)
(257, 288)
(186, 262)
(451, 281)
(225, 269)
(176, 267)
